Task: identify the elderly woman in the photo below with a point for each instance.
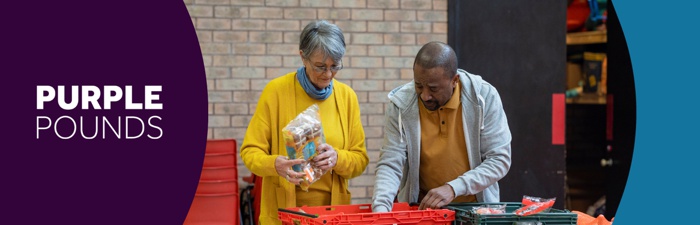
(344, 155)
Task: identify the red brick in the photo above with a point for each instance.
(230, 12)
(375, 131)
(204, 36)
(433, 16)
(229, 60)
(211, 2)
(391, 84)
(407, 74)
(367, 62)
(440, 28)
(213, 24)
(271, 61)
(383, 4)
(249, 24)
(415, 27)
(367, 85)
(292, 37)
(356, 50)
(230, 36)
(416, 4)
(258, 84)
(398, 62)
(219, 96)
(233, 84)
(248, 72)
(367, 38)
(292, 61)
(299, 13)
(382, 74)
(219, 121)
(266, 12)
(316, 3)
(379, 96)
(439, 4)
(385, 27)
(349, 3)
(352, 73)
(246, 96)
(352, 26)
(334, 14)
(283, 25)
(266, 37)
(367, 14)
(284, 3)
(372, 108)
(384, 50)
(248, 49)
(400, 39)
(245, 2)
(200, 10)
(410, 50)
(217, 72)
(425, 38)
(283, 49)
(375, 120)
(399, 15)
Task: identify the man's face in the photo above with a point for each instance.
(433, 86)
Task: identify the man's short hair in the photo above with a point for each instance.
(437, 54)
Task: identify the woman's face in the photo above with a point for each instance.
(320, 72)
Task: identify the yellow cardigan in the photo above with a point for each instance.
(263, 142)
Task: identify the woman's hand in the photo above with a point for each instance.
(283, 165)
(327, 159)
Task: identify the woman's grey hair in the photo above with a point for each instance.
(322, 36)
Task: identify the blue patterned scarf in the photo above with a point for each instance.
(309, 88)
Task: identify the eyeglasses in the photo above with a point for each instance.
(323, 69)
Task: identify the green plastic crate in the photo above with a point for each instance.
(465, 216)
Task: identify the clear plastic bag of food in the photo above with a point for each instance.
(490, 209)
(302, 136)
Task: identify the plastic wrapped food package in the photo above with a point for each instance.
(302, 136)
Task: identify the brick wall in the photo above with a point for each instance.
(246, 43)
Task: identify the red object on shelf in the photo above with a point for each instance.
(216, 199)
(402, 214)
(576, 15)
(558, 119)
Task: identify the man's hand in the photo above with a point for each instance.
(437, 197)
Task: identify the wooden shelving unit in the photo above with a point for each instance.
(589, 37)
(587, 98)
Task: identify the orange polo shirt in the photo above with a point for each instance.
(443, 155)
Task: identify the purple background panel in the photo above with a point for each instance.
(114, 180)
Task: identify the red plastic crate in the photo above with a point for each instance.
(219, 159)
(402, 213)
(219, 173)
(210, 209)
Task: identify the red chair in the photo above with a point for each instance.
(216, 199)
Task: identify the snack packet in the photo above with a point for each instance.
(533, 205)
(302, 135)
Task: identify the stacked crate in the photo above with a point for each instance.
(216, 198)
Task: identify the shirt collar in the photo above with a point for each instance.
(454, 101)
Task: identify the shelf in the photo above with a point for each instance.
(588, 98)
(589, 37)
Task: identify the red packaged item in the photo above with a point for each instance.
(534, 205)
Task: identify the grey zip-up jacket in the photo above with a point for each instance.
(486, 134)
